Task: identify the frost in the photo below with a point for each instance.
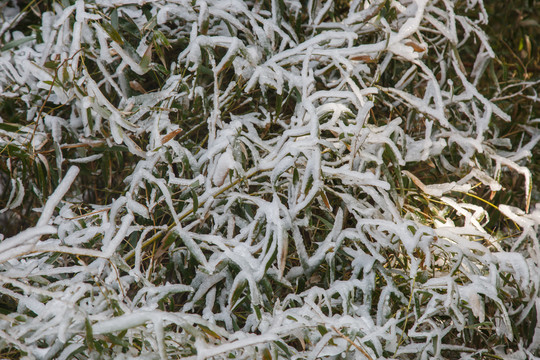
(266, 180)
(436, 190)
(224, 164)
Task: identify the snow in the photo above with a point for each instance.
(17, 243)
(291, 184)
(225, 163)
(57, 196)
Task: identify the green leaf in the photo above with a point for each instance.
(90, 119)
(151, 24)
(237, 292)
(162, 69)
(15, 43)
(118, 339)
(146, 58)
(161, 39)
(195, 201)
(296, 176)
(266, 354)
(41, 177)
(257, 312)
(129, 25)
(283, 347)
(89, 334)
(113, 33)
(114, 18)
(209, 331)
(9, 127)
(52, 64)
(322, 329)
(328, 224)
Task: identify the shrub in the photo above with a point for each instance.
(264, 179)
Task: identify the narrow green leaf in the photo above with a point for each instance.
(161, 39)
(322, 329)
(257, 312)
(151, 24)
(146, 58)
(237, 292)
(15, 43)
(283, 347)
(89, 334)
(296, 176)
(195, 200)
(114, 18)
(52, 64)
(111, 31)
(328, 224)
(9, 127)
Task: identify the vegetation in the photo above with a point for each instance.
(276, 179)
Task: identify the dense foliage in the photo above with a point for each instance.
(266, 179)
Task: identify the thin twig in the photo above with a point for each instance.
(358, 347)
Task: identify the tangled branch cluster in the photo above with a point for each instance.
(262, 179)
